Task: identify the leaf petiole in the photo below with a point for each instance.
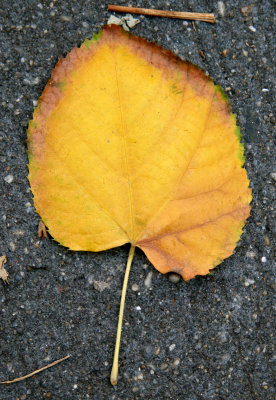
(115, 366)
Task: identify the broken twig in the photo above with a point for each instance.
(164, 13)
(37, 371)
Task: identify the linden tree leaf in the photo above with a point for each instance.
(131, 144)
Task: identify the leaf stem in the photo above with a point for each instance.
(115, 367)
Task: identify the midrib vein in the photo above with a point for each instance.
(123, 135)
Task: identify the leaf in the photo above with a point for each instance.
(42, 233)
(131, 144)
(4, 275)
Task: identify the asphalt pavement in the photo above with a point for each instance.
(210, 338)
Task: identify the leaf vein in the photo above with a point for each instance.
(123, 135)
(197, 226)
(183, 174)
(84, 189)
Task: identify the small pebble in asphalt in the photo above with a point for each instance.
(140, 377)
(157, 351)
(8, 179)
(246, 11)
(163, 366)
(248, 282)
(250, 254)
(252, 28)
(174, 278)
(221, 8)
(12, 246)
(100, 286)
(172, 347)
(176, 363)
(148, 280)
(135, 287)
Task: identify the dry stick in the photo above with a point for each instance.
(115, 367)
(38, 370)
(164, 13)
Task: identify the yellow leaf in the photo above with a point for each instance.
(131, 144)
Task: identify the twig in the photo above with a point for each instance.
(164, 13)
(38, 370)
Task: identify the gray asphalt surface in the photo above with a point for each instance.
(210, 338)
